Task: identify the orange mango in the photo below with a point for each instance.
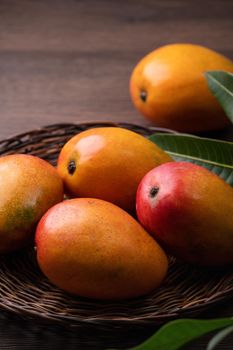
(92, 248)
(108, 163)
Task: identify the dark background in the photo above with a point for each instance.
(70, 61)
(63, 61)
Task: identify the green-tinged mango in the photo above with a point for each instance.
(29, 187)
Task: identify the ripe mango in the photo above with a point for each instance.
(29, 187)
(189, 210)
(92, 248)
(169, 88)
(108, 163)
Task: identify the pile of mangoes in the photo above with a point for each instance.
(92, 245)
(130, 204)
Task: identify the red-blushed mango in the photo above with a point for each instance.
(189, 210)
(92, 248)
(29, 187)
(108, 163)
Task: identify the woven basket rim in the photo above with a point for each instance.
(89, 123)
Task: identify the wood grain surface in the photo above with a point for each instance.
(70, 61)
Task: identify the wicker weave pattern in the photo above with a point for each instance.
(25, 291)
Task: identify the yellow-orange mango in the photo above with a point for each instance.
(108, 163)
(29, 187)
(92, 248)
(169, 88)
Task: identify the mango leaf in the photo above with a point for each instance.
(177, 333)
(220, 84)
(215, 155)
(219, 337)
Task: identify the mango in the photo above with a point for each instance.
(29, 187)
(92, 248)
(169, 88)
(108, 163)
(189, 210)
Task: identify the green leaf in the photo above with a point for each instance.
(177, 333)
(219, 337)
(217, 156)
(220, 84)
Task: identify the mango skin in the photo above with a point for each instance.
(92, 248)
(110, 162)
(191, 213)
(176, 91)
(29, 187)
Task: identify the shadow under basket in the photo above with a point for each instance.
(25, 291)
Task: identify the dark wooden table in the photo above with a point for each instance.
(70, 61)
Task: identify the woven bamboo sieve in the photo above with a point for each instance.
(24, 290)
